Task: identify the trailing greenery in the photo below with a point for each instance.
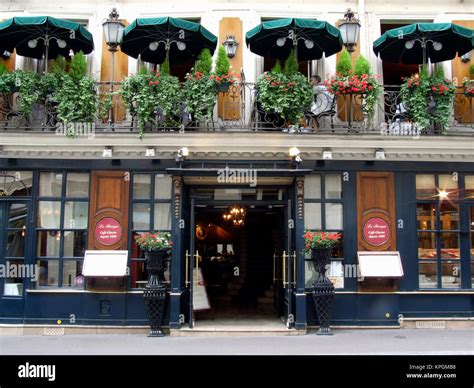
(442, 91)
(291, 64)
(199, 95)
(286, 95)
(147, 94)
(344, 65)
(204, 63)
(222, 62)
(26, 83)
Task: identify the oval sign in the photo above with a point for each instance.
(376, 231)
(108, 231)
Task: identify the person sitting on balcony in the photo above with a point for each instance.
(323, 101)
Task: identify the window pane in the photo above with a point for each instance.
(15, 246)
(48, 243)
(76, 215)
(449, 216)
(16, 183)
(162, 216)
(17, 216)
(428, 274)
(426, 216)
(425, 186)
(138, 274)
(50, 184)
(334, 216)
(448, 184)
(141, 186)
(74, 243)
(162, 186)
(333, 186)
(312, 186)
(472, 274)
(48, 273)
(77, 185)
(449, 245)
(49, 214)
(72, 273)
(141, 216)
(136, 252)
(450, 274)
(312, 216)
(468, 184)
(14, 285)
(427, 245)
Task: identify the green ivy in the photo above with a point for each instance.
(199, 94)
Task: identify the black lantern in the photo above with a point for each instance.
(113, 30)
(350, 28)
(231, 46)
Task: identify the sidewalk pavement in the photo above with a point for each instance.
(343, 342)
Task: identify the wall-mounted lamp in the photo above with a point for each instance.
(380, 154)
(350, 28)
(183, 152)
(294, 152)
(150, 152)
(327, 154)
(107, 152)
(230, 45)
(466, 57)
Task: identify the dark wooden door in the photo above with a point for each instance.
(109, 210)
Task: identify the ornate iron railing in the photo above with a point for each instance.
(238, 109)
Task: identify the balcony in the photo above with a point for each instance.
(239, 111)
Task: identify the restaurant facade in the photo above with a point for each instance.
(401, 193)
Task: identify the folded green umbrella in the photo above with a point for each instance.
(154, 38)
(39, 36)
(420, 42)
(312, 38)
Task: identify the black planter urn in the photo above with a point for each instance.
(154, 294)
(323, 289)
(223, 87)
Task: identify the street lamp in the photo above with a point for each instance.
(113, 31)
(350, 28)
(231, 46)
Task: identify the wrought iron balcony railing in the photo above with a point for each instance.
(239, 110)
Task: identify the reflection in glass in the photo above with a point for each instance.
(450, 274)
(136, 252)
(50, 184)
(449, 245)
(13, 286)
(49, 214)
(447, 183)
(48, 273)
(312, 186)
(74, 243)
(426, 216)
(17, 216)
(15, 244)
(141, 216)
(333, 186)
(72, 274)
(334, 216)
(138, 274)
(162, 216)
(427, 245)
(312, 216)
(428, 274)
(77, 185)
(16, 183)
(425, 186)
(76, 215)
(48, 243)
(162, 186)
(449, 215)
(141, 186)
(469, 187)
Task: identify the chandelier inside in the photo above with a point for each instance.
(236, 215)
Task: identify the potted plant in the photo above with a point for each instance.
(319, 246)
(157, 247)
(468, 87)
(222, 76)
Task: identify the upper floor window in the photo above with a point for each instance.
(16, 183)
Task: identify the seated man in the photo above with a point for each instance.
(323, 99)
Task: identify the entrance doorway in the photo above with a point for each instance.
(242, 259)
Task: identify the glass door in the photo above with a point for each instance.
(13, 247)
(288, 267)
(471, 241)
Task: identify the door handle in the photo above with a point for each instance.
(187, 268)
(197, 268)
(284, 268)
(274, 267)
(294, 268)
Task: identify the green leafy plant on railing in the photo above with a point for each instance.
(26, 83)
(428, 99)
(148, 94)
(368, 83)
(199, 94)
(106, 104)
